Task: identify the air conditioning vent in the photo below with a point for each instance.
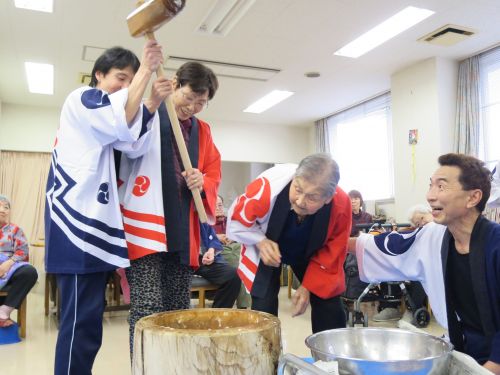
(220, 68)
(448, 35)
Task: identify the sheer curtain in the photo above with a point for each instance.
(467, 122)
(322, 136)
(360, 141)
(23, 176)
(489, 82)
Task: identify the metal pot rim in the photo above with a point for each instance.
(397, 330)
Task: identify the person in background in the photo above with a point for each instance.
(359, 215)
(216, 270)
(354, 286)
(419, 215)
(456, 258)
(231, 250)
(84, 234)
(299, 216)
(15, 273)
(388, 309)
(220, 219)
(162, 227)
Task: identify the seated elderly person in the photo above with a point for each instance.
(216, 270)
(15, 274)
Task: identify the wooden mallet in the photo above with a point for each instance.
(143, 21)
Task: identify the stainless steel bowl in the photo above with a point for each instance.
(373, 351)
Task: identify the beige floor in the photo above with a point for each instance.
(34, 355)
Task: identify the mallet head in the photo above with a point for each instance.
(152, 14)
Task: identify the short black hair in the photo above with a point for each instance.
(473, 174)
(199, 78)
(115, 57)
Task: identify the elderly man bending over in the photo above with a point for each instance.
(300, 217)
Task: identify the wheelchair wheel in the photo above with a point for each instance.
(358, 318)
(350, 319)
(347, 313)
(422, 317)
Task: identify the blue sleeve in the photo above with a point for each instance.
(209, 237)
(146, 117)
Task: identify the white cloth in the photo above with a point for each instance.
(414, 256)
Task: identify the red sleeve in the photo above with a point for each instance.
(20, 244)
(209, 164)
(325, 273)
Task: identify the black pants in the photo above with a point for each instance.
(80, 322)
(325, 313)
(19, 286)
(225, 276)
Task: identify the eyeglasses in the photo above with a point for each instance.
(198, 105)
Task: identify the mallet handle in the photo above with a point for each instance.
(181, 144)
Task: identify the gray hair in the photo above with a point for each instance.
(3, 198)
(320, 169)
(419, 209)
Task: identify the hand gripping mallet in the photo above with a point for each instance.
(147, 18)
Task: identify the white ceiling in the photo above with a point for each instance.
(294, 36)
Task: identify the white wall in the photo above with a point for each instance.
(423, 98)
(259, 143)
(26, 128)
(236, 176)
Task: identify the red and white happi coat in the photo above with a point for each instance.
(141, 197)
(248, 219)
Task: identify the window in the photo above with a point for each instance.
(489, 85)
(361, 143)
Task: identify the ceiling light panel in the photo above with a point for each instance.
(40, 78)
(268, 101)
(37, 5)
(223, 16)
(381, 33)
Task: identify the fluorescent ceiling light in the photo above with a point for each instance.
(266, 102)
(40, 78)
(38, 5)
(381, 33)
(223, 16)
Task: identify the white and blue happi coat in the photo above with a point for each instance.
(422, 255)
(83, 223)
(412, 256)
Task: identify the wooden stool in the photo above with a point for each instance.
(51, 293)
(290, 281)
(201, 285)
(21, 313)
